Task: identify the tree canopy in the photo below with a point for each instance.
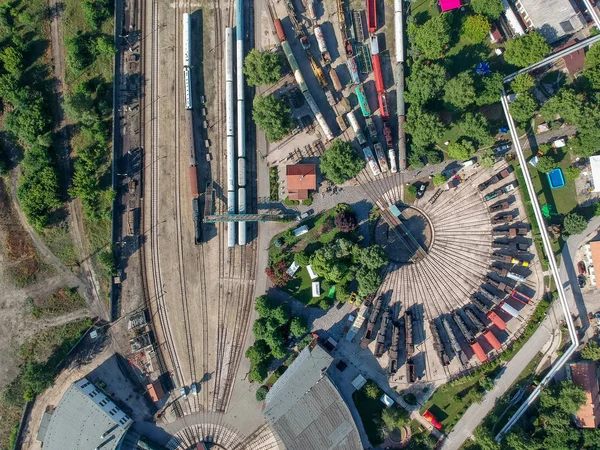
(591, 351)
(489, 88)
(262, 68)
(488, 159)
(461, 150)
(432, 37)
(490, 8)
(460, 91)
(273, 116)
(476, 28)
(424, 83)
(523, 82)
(346, 221)
(574, 223)
(339, 163)
(546, 164)
(476, 127)
(523, 107)
(522, 51)
(424, 127)
(439, 179)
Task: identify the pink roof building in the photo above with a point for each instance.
(447, 5)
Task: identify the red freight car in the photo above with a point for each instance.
(383, 105)
(371, 15)
(496, 320)
(279, 30)
(479, 352)
(492, 339)
(194, 180)
(378, 75)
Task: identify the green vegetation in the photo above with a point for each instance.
(476, 127)
(273, 116)
(460, 90)
(63, 301)
(525, 50)
(523, 82)
(271, 330)
(262, 68)
(488, 159)
(261, 393)
(431, 38)
(439, 179)
(574, 223)
(546, 164)
(591, 351)
(523, 107)
(461, 150)
(424, 127)
(476, 29)
(339, 163)
(490, 8)
(274, 184)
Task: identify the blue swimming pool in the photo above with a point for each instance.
(556, 178)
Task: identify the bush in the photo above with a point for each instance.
(412, 190)
(346, 221)
(410, 399)
(439, 179)
(371, 389)
(302, 258)
(308, 201)
(572, 173)
(488, 159)
(461, 150)
(261, 393)
(289, 202)
(574, 223)
(546, 164)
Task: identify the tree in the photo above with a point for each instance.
(262, 68)
(424, 127)
(490, 8)
(439, 179)
(394, 417)
(107, 259)
(476, 127)
(281, 315)
(258, 372)
(574, 223)
(261, 393)
(36, 379)
(476, 29)
(523, 82)
(373, 257)
(368, 281)
(79, 55)
(298, 327)
(546, 164)
(258, 352)
(572, 173)
(486, 383)
(9, 88)
(302, 258)
(273, 116)
(592, 57)
(105, 47)
(12, 60)
(523, 107)
(565, 397)
(489, 88)
(79, 106)
(434, 156)
(339, 163)
(522, 51)
(432, 37)
(346, 221)
(95, 12)
(488, 159)
(412, 190)
(591, 351)
(424, 83)
(461, 150)
(371, 390)
(460, 91)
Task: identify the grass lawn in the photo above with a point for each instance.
(370, 412)
(300, 287)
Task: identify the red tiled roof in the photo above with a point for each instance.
(584, 376)
(595, 249)
(301, 178)
(575, 61)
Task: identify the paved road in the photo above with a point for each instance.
(475, 414)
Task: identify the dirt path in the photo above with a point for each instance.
(76, 228)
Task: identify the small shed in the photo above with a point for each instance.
(311, 273)
(359, 382)
(595, 165)
(559, 143)
(386, 400)
(316, 289)
(292, 269)
(301, 230)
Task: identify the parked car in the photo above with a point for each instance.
(421, 190)
(581, 268)
(582, 281)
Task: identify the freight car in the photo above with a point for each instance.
(371, 15)
(353, 69)
(507, 274)
(393, 351)
(371, 161)
(380, 341)
(502, 219)
(499, 176)
(453, 342)
(492, 339)
(381, 157)
(500, 206)
(325, 57)
(479, 325)
(360, 137)
(371, 128)
(438, 346)
(510, 259)
(362, 100)
(335, 80)
(371, 323)
(408, 333)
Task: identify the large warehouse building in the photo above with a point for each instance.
(84, 419)
(305, 409)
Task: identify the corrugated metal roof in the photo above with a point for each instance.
(84, 419)
(554, 19)
(305, 408)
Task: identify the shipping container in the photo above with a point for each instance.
(496, 320)
(371, 15)
(353, 69)
(491, 338)
(509, 309)
(479, 352)
(371, 161)
(432, 419)
(362, 100)
(279, 30)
